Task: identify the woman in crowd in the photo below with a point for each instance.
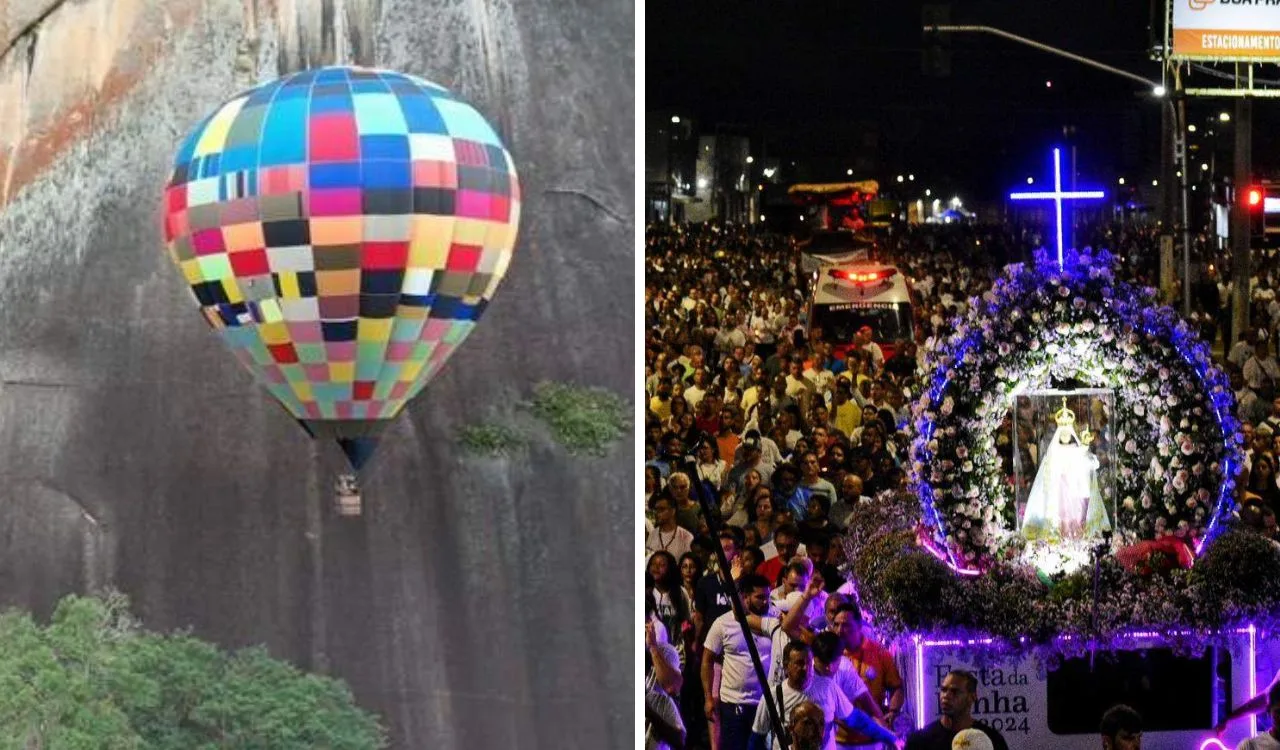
(711, 468)
(663, 585)
(761, 514)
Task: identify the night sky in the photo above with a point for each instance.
(810, 79)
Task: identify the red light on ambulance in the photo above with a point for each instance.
(863, 277)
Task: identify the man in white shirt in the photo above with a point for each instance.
(829, 661)
(865, 343)
(734, 708)
(666, 534)
(803, 685)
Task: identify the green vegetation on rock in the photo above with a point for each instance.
(94, 680)
(492, 439)
(583, 420)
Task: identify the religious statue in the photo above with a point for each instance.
(1065, 502)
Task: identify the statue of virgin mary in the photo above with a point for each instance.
(1064, 502)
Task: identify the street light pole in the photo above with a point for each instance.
(1156, 88)
(1240, 259)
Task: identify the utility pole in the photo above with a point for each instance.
(1240, 261)
(1180, 161)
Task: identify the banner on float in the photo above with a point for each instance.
(1015, 696)
(1226, 30)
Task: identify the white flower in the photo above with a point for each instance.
(1164, 373)
(1131, 446)
(962, 452)
(966, 466)
(1128, 502)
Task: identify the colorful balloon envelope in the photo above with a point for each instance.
(343, 230)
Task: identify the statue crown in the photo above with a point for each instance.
(1064, 416)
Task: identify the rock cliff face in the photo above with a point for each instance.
(479, 602)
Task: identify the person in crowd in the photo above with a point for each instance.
(733, 706)
(660, 404)
(691, 571)
(957, 694)
(688, 510)
(1261, 373)
(750, 459)
(803, 685)
(727, 439)
(780, 551)
(872, 661)
(1273, 419)
(1262, 479)
(673, 608)
(1121, 729)
(805, 726)
(865, 341)
(711, 468)
(817, 523)
(786, 490)
(818, 549)
(652, 483)
(667, 535)
(971, 739)
(811, 481)
(830, 662)
(664, 726)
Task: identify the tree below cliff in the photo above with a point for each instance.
(93, 679)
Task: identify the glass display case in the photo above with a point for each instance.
(1063, 461)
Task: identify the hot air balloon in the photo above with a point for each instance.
(343, 230)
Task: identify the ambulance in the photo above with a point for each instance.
(851, 293)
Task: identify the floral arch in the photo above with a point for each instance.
(1177, 442)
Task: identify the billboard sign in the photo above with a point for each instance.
(1226, 30)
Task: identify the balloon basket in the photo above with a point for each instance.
(347, 502)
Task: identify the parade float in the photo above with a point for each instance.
(1069, 533)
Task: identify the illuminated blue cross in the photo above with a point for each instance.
(1057, 196)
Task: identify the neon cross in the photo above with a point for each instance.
(1057, 196)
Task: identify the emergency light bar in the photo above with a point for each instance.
(863, 277)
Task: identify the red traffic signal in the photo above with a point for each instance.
(1253, 197)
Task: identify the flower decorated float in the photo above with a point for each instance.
(1069, 530)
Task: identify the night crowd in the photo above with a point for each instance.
(783, 435)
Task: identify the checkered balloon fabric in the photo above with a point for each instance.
(343, 230)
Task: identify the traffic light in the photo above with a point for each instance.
(1254, 200)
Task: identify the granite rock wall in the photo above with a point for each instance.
(478, 602)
